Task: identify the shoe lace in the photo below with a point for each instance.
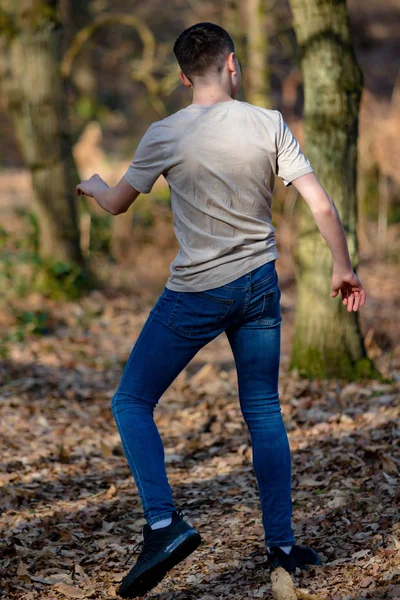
(147, 546)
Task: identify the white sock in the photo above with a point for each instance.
(286, 549)
(162, 523)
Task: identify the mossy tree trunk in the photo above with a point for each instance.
(328, 341)
(30, 39)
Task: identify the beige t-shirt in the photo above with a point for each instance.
(220, 163)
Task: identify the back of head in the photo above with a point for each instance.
(201, 50)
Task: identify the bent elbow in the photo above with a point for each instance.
(327, 210)
(116, 210)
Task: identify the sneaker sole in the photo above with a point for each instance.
(152, 577)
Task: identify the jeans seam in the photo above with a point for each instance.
(139, 482)
(115, 414)
(170, 319)
(128, 362)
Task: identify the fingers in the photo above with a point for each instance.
(363, 297)
(84, 188)
(356, 300)
(353, 296)
(360, 298)
(350, 300)
(79, 189)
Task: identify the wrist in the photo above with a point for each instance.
(100, 192)
(100, 187)
(342, 269)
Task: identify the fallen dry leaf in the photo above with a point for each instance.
(69, 590)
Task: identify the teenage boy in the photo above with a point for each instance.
(220, 157)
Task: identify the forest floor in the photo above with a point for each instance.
(70, 511)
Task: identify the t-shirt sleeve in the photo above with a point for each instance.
(290, 160)
(148, 162)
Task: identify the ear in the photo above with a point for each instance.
(184, 79)
(232, 65)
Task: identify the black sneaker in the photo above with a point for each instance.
(298, 558)
(162, 549)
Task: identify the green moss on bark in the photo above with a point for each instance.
(331, 363)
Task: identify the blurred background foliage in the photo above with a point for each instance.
(123, 79)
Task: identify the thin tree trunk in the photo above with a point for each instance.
(257, 72)
(232, 20)
(245, 22)
(384, 202)
(30, 39)
(328, 340)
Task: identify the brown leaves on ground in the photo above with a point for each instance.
(70, 512)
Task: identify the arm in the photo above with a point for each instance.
(115, 200)
(147, 165)
(329, 224)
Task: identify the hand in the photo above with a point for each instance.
(353, 293)
(91, 187)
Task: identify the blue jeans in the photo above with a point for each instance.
(178, 326)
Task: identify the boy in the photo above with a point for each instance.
(219, 157)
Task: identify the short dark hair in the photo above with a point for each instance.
(202, 47)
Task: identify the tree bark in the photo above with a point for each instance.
(232, 20)
(245, 23)
(257, 71)
(30, 37)
(328, 341)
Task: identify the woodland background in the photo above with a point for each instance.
(70, 513)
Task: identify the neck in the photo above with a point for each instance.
(207, 96)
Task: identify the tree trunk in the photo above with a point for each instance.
(30, 36)
(328, 341)
(245, 23)
(257, 71)
(232, 20)
(384, 203)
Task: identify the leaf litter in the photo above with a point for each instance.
(70, 512)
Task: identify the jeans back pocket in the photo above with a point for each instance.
(270, 314)
(199, 312)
